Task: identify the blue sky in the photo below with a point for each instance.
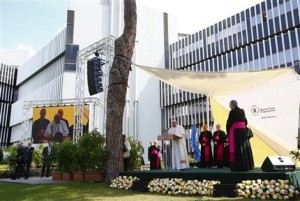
(30, 22)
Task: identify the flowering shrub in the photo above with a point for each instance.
(123, 182)
(265, 189)
(177, 186)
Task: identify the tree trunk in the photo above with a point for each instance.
(118, 82)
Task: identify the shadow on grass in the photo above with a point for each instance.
(84, 192)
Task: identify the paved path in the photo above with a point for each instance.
(34, 180)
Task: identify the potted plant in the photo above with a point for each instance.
(56, 167)
(65, 157)
(91, 156)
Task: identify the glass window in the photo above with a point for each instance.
(216, 64)
(217, 47)
(228, 22)
(196, 35)
(234, 59)
(194, 56)
(220, 26)
(225, 44)
(243, 16)
(208, 50)
(281, 1)
(213, 51)
(269, 6)
(229, 60)
(261, 49)
(211, 65)
(216, 28)
(250, 56)
(204, 52)
(293, 38)
(265, 25)
(271, 26)
(255, 51)
(200, 35)
(296, 16)
(233, 20)
(201, 54)
(277, 24)
(237, 16)
(257, 9)
(263, 6)
(254, 33)
(260, 33)
(249, 35)
(279, 43)
(283, 22)
(220, 63)
(221, 45)
(239, 39)
(289, 19)
(252, 11)
(230, 42)
(198, 56)
(286, 41)
(244, 50)
(207, 31)
(244, 37)
(239, 56)
(275, 3)
(273, 45)
(234, 40)
(224, 62)
(211, 30)
(267, 47)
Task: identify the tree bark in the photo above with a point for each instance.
(118, 82)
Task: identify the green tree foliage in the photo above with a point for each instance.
(135, 153)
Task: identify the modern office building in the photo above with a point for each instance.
(8, 78)
(97, 19)
(48, 75)
(264, 36)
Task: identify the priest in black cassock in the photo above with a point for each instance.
(219, 138)
(240, 156)
(205, 139)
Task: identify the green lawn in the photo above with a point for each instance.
(83, 192)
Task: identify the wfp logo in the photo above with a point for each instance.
(255, 110)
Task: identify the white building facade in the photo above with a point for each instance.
(50, 74)
(45, 76)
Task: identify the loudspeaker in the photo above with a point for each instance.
(278, 164)
(94, 75)
(225, 190)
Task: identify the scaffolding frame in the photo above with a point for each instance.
(105, 48)
(29, 105)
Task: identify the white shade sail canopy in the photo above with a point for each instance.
(270, 98)
(219, 83)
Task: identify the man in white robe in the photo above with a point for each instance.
(179, 153)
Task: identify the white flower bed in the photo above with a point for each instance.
(123, 182)
(265, 189)
(176, 186)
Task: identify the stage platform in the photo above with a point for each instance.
(222, 174)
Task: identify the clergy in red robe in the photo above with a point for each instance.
(219, 140)
(205, 139)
